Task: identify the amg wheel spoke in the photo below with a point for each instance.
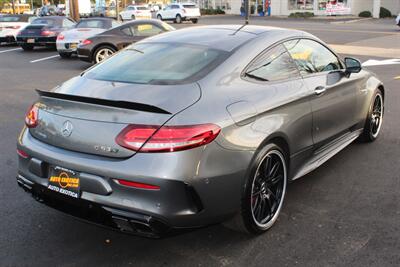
(274, 169)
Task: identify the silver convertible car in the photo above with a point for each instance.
(194, 127)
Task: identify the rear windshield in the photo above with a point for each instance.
(101, 24)
(158, 63)
(12, 19)
(43, 21)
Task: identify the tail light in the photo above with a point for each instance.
(136, 184)
(32, 117)
(86, 42)
(22, 154)
(60, 37)
(152, 138)
(47, 33)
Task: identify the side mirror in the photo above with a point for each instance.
(352, 65)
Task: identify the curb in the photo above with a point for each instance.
(349, 21)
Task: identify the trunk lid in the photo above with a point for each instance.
(33, 30)
(87, 115)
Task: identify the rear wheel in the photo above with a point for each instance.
(264, 192)
(103, 52)
(27, 47)
(120, 18)
(374, 120)
(178, 19)
(159, 17)
(133, 17)
(195, 21)
(65, 55)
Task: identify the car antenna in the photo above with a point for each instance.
(246, 17)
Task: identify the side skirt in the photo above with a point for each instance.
(326, 152)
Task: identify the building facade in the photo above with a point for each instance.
(318, 7)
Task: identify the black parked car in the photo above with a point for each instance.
(103, 45)
(43, 32)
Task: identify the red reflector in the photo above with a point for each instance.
(137, 185)
(22, 153)
(60, 37)
(32, 117)
(168, 138)
(86, 42)
(47, 33)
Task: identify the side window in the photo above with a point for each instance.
(175, 7)
(312, 57)
(275, 64)
(145, 30)
(127, 31)
(67, 23)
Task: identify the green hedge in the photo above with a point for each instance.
(211, 11)
(301, 15)
(365, 14)
(385, 13)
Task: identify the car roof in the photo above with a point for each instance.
(221, 37)
(97, 18)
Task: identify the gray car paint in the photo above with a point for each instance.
(249, 113)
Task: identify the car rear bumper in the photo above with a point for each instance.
(7, 39)
(67, 47)
(182, 201)
(37, 41)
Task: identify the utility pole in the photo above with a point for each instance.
(74, 9)
(117, 9)
(246, 11)
(13, 6)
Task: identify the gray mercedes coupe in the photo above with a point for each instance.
(194, 127)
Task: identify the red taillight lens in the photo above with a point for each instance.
(22, 153)
(137, 185)
(47, 33)
(60, 37)
(167, 138)
(86, 42)
(32, 117)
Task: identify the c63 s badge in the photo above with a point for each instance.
(64, 181)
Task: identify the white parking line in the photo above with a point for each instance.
(42, 59)
(9, 50)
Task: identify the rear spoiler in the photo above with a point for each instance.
(104, 102)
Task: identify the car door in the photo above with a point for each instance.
(335, 96)
(166, 12)
(277, 92)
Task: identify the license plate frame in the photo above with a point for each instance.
(30, 40)
(64, 181)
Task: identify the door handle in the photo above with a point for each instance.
(320, 90)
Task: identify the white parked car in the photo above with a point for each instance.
(67, 41)
(135, 12)
(398, 20)
(179, 12)
(10, 25)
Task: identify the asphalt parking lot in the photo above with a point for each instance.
(345, 213)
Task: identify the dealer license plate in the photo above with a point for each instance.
(64, 181)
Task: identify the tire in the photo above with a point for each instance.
(195, 21)
(264, 192)
(65, 55)
(133, 17)
(105, 50)
(120, 18)
(178, 19)
(159, 17)
(27, 47)
(373, 123)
